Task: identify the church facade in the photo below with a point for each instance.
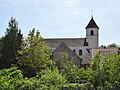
(77, 49)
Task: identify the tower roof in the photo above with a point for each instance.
(92, 24)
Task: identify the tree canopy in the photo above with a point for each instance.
(10, 44)
(34, 54)
(113, 45)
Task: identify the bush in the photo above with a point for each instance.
(9, 77)
(12, 79)
(75, 86)
(51, 78)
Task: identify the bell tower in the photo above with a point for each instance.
(92, 34)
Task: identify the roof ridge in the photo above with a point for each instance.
(61, 38)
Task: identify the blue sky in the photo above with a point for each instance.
(63, 18)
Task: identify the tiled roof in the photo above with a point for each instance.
(70, 42)
(92, 24)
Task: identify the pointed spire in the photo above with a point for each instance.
(92, 23)
(91, 13)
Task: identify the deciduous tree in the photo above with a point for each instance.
(34, 55)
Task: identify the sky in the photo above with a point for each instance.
(63, 18)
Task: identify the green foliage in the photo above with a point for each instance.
(34, 55)
(52, 78)
(96, 69)
(70, 71)
(64, 56)
(10, 44)
(1, 45)
(106, 70)
(8, 77)
(12, 79)
(85, 75)
(113, 45)
(77, 86)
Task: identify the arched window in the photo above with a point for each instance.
(74, 50)
(92, 32)
(80, 52)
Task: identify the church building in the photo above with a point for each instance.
(78, 49)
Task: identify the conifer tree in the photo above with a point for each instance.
(1, 44)
(11, 43)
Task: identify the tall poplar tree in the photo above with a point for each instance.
(11, 43)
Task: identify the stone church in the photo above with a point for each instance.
(80, 50)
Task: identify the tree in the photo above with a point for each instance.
(12, 79)
(34, 55)
(96, 67)
(1, 44)
(51, 78)
(71, 72)
(113, 45)
(106, 70)
(102, 46)
(69, 69)
(11, 43)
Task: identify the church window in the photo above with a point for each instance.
(74, 50)
(92, 32)
(80, 52)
